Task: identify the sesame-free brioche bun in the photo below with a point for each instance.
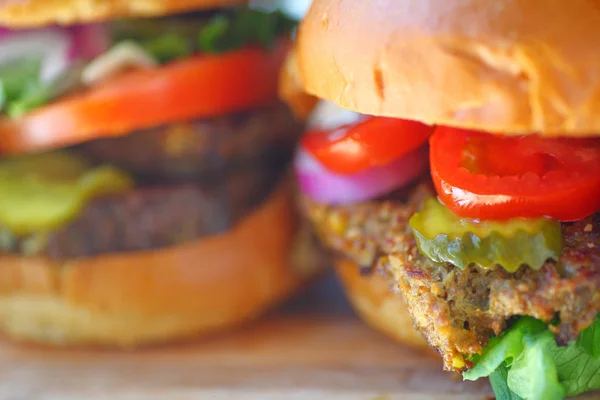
(377, 305)
(511, 66)
(136, 298)
(35, 13)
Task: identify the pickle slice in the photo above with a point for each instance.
(442, 236)
(41, 192)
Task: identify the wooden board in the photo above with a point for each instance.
(314, 348)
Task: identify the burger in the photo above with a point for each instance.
(469, 181)
(144, 170)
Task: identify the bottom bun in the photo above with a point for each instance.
(382, 309)
(137, 298)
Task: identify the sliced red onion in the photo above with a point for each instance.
(328, 187)
(89, 41)
(59, 47)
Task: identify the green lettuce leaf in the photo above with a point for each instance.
(525, 363)
(542, 384)
(173, 37)
(589, 340)
(168, 47)
(503, 349)
(498, 380)
(244, 26)
(21, 89)
(578, 371)
(18, 80)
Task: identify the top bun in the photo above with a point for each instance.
(511, 66)
(35, 13)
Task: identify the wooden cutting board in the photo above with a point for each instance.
(314, 348)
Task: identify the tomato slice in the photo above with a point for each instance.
(484, 176)
(373, 142)
(196, 87)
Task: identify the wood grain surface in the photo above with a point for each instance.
(313, 348)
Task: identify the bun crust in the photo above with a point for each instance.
(35, 13)
(138, 298)
(382, 309)
(510, 66)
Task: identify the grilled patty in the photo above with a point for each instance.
(201, 148)
(459, 310)
(153, 217)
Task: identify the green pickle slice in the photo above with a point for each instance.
(442, 236)
(41, 192)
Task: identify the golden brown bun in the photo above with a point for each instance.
(137, 298)
(32, 13)
(382, 309)
(501, 65)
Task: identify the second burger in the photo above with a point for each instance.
(144, 192)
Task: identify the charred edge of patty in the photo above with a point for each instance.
(459, 310)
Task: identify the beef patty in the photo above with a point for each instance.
(201, 148)
(459, 310)
(153, 217)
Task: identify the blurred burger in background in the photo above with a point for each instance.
(143, 170)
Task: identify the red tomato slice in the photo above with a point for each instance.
(197, 87)
(483, 176)
(373, 142)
